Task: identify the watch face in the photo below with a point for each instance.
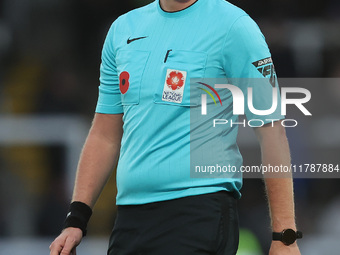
(288, 236)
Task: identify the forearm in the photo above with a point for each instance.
(97, 160)
(99, 156)
(279, 186)
(281, 203)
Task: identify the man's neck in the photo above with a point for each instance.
(175, 5)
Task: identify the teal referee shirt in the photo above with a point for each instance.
(148, 59)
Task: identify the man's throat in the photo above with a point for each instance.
(176, 5)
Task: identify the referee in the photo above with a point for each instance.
(142, 121)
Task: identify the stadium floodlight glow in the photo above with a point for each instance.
(238, 100)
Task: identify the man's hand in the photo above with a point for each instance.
(278, 248)
(66, 242)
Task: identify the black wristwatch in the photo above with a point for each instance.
(287, 236)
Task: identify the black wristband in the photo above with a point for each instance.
(78, 216)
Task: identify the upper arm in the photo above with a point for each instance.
(108, 127)
(248, 65)
(271, 133)
(243, 47)
(109, 100)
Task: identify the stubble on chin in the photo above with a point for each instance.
(182, 1)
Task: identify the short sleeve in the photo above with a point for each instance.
(109, 100)
(247, 63)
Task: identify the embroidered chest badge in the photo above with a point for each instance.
(174, 86)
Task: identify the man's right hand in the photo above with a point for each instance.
(66, 242)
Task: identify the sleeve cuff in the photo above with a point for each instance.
(109, 109)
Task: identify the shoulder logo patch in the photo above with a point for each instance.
(266, 68)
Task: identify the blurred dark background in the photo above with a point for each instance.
(49, 68)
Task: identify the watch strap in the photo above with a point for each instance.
(277, 236)
(299, 235)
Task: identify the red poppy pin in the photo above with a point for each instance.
(124, 82)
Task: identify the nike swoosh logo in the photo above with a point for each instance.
(135, 39)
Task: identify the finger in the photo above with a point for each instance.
(70, 244)
(55, 248)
